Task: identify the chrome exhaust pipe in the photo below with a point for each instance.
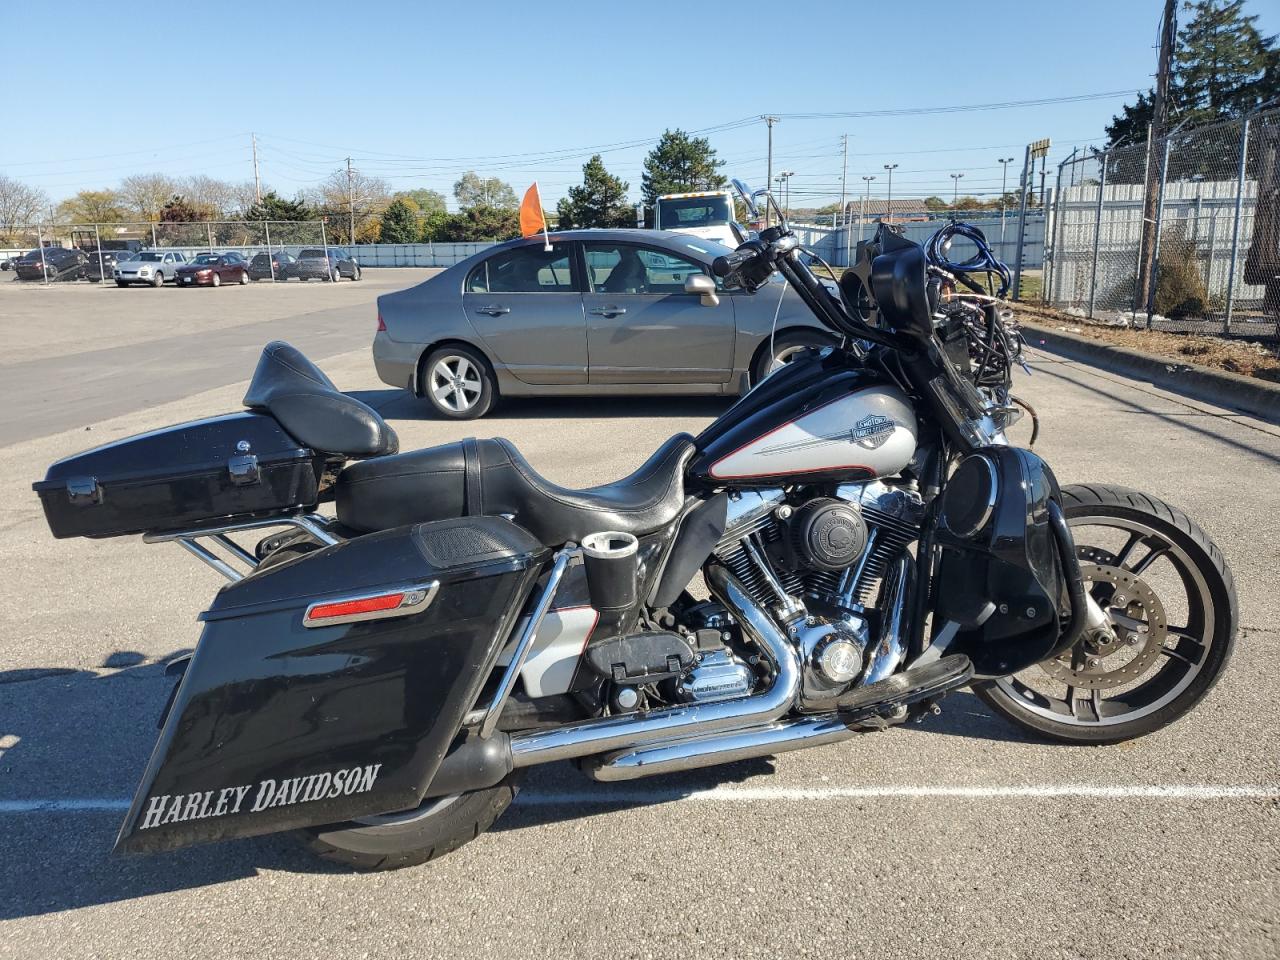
(694, 720)
(728, 747)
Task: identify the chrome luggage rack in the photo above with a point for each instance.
(314, 524)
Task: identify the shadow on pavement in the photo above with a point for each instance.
(74, 734)
(401, 405)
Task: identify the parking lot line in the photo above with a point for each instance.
(784, 795)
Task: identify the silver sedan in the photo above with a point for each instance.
(602, 313)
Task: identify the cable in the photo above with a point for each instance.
(984, 261)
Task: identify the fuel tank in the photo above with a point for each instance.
(815, 420)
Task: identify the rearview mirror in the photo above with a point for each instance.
(703, 286)
(748, 198)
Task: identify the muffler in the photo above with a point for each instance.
(673, 723)
(858, 711)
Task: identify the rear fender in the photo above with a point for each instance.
(277, 725)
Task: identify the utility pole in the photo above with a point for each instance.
(257, 180)
(351, 202)
(888, 207)
(844, 172)
(769, 122)
(1159, 122)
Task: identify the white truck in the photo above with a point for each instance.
(706, 213)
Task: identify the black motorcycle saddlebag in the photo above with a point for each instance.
(235, 466)
(331, 686)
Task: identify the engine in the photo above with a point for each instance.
(817, 562)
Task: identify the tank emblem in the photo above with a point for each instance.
(870, 432)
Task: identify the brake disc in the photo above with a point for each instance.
(1137, 625)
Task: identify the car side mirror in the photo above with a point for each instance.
(703, 286)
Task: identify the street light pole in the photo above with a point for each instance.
(888, 207)
(785, 178)
(955, 190)
(1004, 180)
(769, 122)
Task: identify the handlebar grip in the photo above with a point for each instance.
(731, 262)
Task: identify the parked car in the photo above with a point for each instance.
(153, 267)
(261, 266)
(313, 264)
(605, 312)
(56, 264)
(213, 270)
(102, 264)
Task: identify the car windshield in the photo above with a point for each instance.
(150, 257)
(206, 258)
(311, 255)
(693, 212)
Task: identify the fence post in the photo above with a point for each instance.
(1097, 237)
(1059, 218)
(154, 243)
(1028, 167)
(44, 267)
(208, 229)
(324, 242)
(1154, 278)
(271, 264)
(1235, 226)
(1142, 231)
(97, 242)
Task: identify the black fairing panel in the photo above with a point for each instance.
(795, 389)
(1013, 562)
(268, 705)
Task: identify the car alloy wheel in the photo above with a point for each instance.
(244, 277)
(158, 279)
(217, 280)
(455, 383)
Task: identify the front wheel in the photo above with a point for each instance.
(157, 280)
(1170, 605)
(217, 280)
(441, 825)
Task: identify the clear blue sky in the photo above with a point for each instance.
(419, 93)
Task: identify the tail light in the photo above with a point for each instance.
(382, 326)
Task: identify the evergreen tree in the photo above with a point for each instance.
(399, 224)
(601, 201)
(680, 163)
(274, 207)
(178, 210)
(1222, 68)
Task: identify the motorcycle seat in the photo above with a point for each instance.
(315, 412)
(491, 478)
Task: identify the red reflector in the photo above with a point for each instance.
(382, 327)
(347, 608)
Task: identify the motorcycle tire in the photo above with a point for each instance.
(441, 825)
(1204, 563)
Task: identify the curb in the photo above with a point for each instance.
(1247, 394)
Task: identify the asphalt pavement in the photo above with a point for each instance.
(961, 836)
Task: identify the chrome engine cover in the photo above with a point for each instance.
(817, 638)
(719, 675)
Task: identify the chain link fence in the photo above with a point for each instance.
(1180, 234)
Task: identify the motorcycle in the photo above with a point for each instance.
(377, 680)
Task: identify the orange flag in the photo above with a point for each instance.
(531, 219)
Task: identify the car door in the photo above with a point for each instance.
(641, 325)
(526, 304)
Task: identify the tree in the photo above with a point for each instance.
(274, 207)
(215, 199)
(145, 194)
(601, 201)
(479, 223)
(680, 163)
(336, 196)
(92, 206)
(472, 190)
(19, 204)
(425, 202)
(179, 210)
(1222, 68)
(935, 204)
(399, 224)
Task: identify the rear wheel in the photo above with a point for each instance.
(785, 349)
(121, 283)
(1171, 614)
(458, 383)
(336, 275)
(441, 825)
